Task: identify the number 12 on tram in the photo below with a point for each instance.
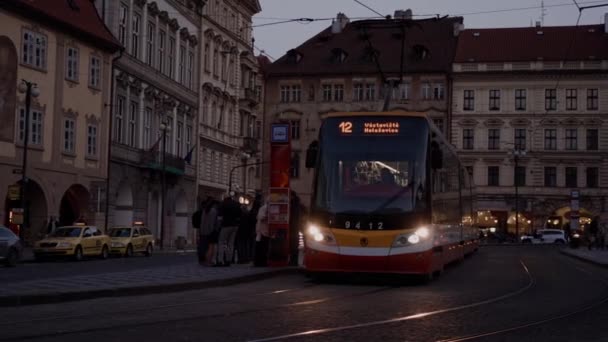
(389, 196)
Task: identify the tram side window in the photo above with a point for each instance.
(446, 185)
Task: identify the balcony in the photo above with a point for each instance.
(250, 145)
(173, 164)
(250, 95)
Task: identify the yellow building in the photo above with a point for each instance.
(65, 50)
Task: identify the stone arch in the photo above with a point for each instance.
(8, 91)
(37, 209)
(75, 205)
(123, 208)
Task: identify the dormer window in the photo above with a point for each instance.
(293, 56)
(370, 54)
(338, 56)
(421, 53)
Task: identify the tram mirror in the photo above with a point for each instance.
(436, 156)
(311, 154)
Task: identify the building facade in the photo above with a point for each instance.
(155, 111)
(345, 68)
(530, 111)
(229, 100)
(65, 49)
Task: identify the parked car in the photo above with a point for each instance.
(10, 247)
(76, 241)
(129, 240)
(545, 236)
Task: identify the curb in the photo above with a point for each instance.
(59, 297)
(591, 261)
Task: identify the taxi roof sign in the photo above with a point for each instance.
(80, 224)
(138, 223)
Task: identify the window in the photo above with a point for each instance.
(551, 139)
(571, 139)
(592, 177)
(520, 99)
(520, 176)
(404, 91)
(207, 57)
(592, 99)
(171, 57)
(190, 71)
(122, 25)
(326, 88)
(494, 99)
(91, 140)
(493, 139)
(370, 92)
(150, 44)
(571, 99)
(592, 140)
(438, 91)
(571, 177)
(468, 139)
(550, 99)
(295, 129)
(118, 119)
(147, 127)
(284, 94)
(258, 129)
(426, 91)
(162, 36)
(339, 92)
(223, 66)
(520, 139)
(493, 176)
(358, 92)
(95, 72)
(34, 49)
(169, 141)
(439, 124)
(188, 138)
(469, 100)
(69, 138)
(132, 124)
(550, 176)
(294, 170)
(216, 65)
(182, 64)
(35, 133)
(296, 93)
(135, 35)
(179, 138)
(71, 64)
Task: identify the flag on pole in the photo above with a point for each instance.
(155, 146)
(188, 157)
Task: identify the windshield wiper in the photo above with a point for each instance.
(390, 200)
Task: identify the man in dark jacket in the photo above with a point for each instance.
(230, 211)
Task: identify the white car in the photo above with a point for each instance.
(545, 236)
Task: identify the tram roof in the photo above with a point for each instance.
(391, 113)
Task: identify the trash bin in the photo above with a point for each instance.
(180, 242)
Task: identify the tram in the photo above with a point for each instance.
(389, 196)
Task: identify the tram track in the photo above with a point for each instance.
(313, 333)
(153, 322)
(553, 318)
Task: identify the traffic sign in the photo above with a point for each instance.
(14, 192)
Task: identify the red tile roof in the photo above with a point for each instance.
(437, 36)
(77, 17)
(532, 44)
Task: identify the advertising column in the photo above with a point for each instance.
(278, 199)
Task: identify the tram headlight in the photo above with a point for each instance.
(413, 239)
(313, 230)
(322, 236)
(422, 232)
(409, 239)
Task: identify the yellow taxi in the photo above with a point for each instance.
(130, 240)
(75, 241)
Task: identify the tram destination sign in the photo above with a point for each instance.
(369, 128)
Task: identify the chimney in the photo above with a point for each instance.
(458, 27)
(538, 23)
(403, 15)
(339, 23)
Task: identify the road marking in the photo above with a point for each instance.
(409, 317)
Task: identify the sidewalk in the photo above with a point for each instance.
(146, 281)
(28, 253)
(597, 257)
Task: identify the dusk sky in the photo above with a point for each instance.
(275, 40)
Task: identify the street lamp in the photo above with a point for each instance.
(517, 153)
(29, 89)
(238, 167)
(164, 129)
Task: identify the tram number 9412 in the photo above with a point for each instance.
(368, 225)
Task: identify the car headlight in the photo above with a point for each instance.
(576, 235)
(118, 244)
(318, 235)
(64, 245)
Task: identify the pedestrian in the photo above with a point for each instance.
(593, 233)
(202, 243)
(209, 230)
(242, 238)
(52, 225)
(262, 237)
(230, 211)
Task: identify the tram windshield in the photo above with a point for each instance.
(374, 166)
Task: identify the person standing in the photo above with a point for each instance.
(262, 237)
(230, 211)
(209, 230)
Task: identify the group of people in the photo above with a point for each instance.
(597, 234)
(230, 232)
